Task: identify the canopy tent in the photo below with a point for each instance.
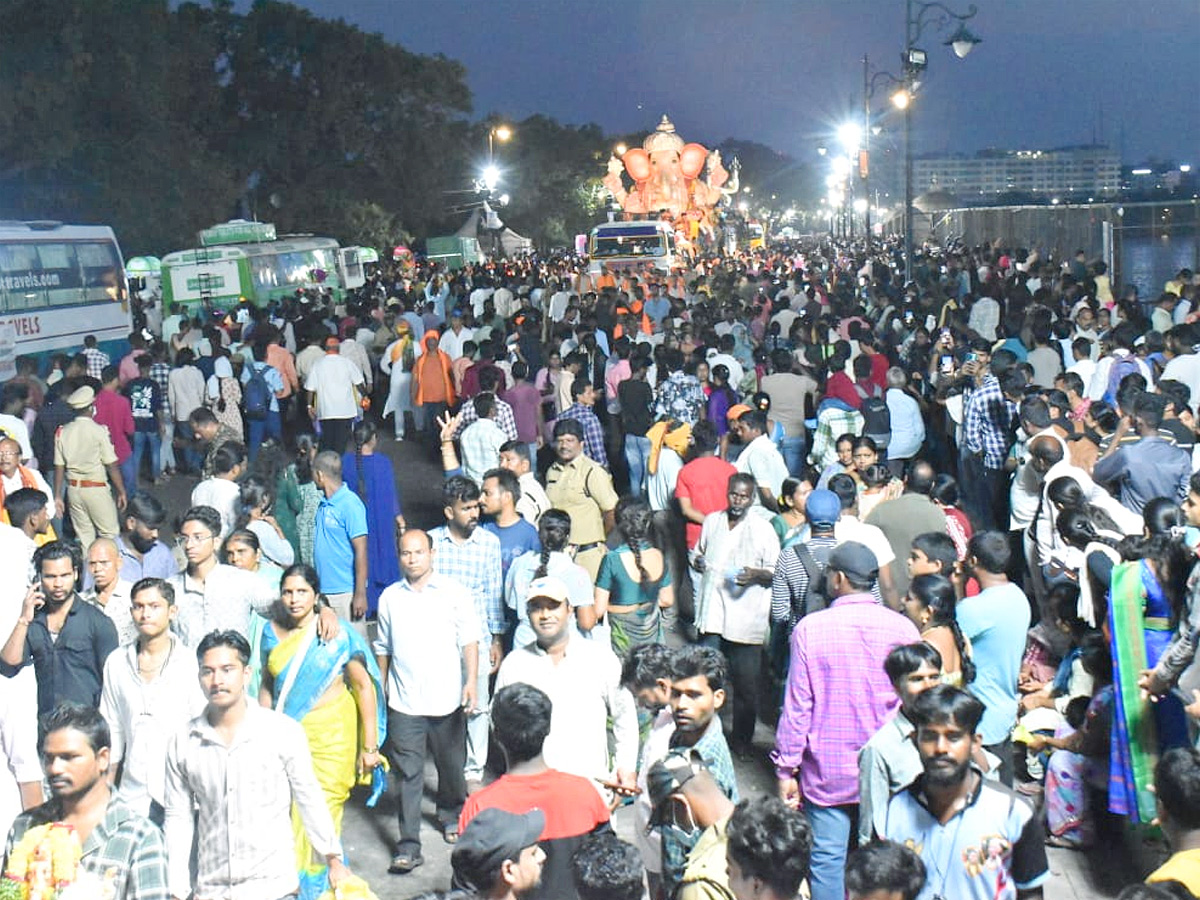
(503, 242)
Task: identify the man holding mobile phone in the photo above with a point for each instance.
(65, 638)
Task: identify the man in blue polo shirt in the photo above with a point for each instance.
(979, 840)
(340, 540)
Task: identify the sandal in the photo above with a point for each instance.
(450, 834)
(404, 862)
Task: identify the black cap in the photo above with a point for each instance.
(855, 560)
(494, 836)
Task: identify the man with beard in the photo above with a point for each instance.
(472, 556)
(736, 553)
(978, 839)
(65, 638)
(499, 857)
(582, 488)
(143, 555)
(124, 851)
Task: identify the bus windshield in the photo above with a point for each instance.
(644, 242)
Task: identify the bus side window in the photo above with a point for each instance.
(99, 272)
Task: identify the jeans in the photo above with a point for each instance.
(166, 451)
(833, 827)
(143, 441)
(190, 459)
(407, 737)
(479, 721)
(259, 429)
(982, 492)
(637, 455)
(128, 472)
(792, 449)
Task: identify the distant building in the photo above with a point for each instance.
(1094, 171)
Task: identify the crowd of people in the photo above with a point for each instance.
(924, 550)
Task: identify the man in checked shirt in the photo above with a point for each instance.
(837, 697)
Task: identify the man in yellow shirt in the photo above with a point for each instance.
(1177, 795)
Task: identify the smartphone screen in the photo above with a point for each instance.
(947, 364)
(930, 323)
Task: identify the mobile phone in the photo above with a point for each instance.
(930, 322)
(909, 315)
(972, 357)
(946, 338)
(947, 364)
(619, 788)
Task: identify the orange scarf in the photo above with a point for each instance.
(27, 481)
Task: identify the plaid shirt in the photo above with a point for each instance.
(125, 850)
(96, 361)
(502, 415)
(988, 420)
(161, 373)
(837, 666)
(715, 753)
(593, 434)
(476, 565)
(832, 423)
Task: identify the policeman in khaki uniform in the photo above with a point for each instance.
(583, 489)
(84, 462)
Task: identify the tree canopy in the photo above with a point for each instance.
(163, 120)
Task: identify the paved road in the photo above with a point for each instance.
(370, 835)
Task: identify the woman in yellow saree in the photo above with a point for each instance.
(331, 688)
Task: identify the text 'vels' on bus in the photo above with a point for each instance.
(58, 284)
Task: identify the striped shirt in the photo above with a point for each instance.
(244, 793)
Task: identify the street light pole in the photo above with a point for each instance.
(914, 63)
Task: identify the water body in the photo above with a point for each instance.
(1150, 262)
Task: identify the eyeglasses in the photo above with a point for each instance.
(188, 539)
(10, 454)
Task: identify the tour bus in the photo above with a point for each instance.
(58, 284)
(240, 260)
(621, 245)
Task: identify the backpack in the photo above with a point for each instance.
(256, 398)
(1121, 366)
(815, 599)
(877, 418)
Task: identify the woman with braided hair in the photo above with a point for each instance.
(633, 583)
(554, 532)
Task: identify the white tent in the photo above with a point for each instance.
(509, 242)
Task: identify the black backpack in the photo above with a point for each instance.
(815, 599)
(256, 398)
(877, 418)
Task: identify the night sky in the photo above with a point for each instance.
(785, 72)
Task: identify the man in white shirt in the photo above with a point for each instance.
(335, 383)
(150, 692)
(427, 647)
(582, 678)
(849, 528)
(760, 458)
(452, 339)
(736, 554)
(908, 428)
(232, 776)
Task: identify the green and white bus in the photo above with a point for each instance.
(240, 260)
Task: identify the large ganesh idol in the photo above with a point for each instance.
(666, 179)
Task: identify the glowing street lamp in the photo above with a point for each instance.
(849, 134)
(501, 133)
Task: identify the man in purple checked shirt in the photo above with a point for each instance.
(837, 696)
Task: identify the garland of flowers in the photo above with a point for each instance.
(42, 864)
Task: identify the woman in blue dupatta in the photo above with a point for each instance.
(1145, 599)
(333, 689)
